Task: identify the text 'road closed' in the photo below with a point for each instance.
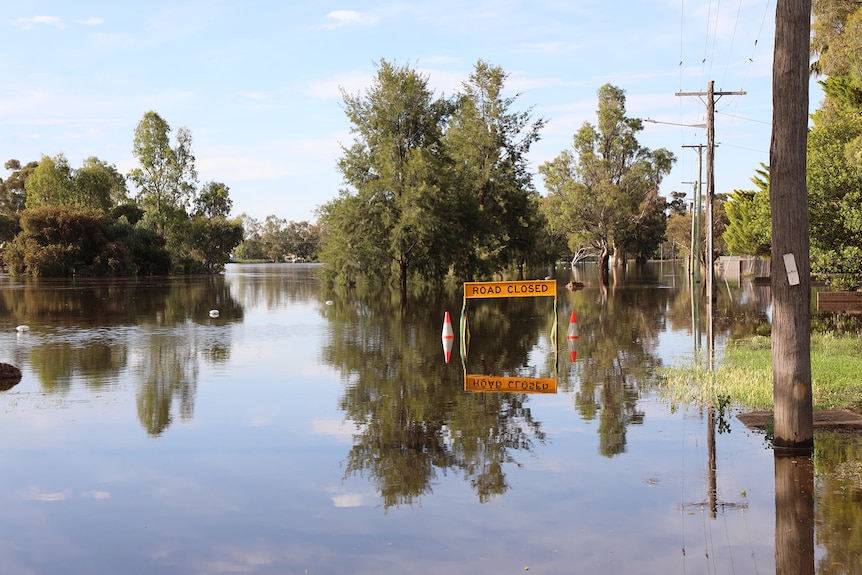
(536, 288)
(510, 384)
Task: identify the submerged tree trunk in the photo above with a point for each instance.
(402, 282)
(604, 257)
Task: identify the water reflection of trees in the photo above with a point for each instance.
(413, 416)
(838, 512)
(619, 328)
(271, 286)
(93, 331)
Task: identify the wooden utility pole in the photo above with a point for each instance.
(788, 198)
(695, 214)
(711, 96)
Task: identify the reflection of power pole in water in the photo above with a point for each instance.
(712, 472)
(710, 447)
(695, 320)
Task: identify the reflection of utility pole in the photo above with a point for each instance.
(712, 479)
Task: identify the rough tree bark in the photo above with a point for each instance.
(788, 194)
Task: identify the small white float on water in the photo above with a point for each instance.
(22, 328)
(213, 313)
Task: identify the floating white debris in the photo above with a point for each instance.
(22, 328)
(329, 302)
(213, 313)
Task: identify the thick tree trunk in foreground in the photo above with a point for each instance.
(788, 194)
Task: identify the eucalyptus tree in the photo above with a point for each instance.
(489, 143)
(50, 184)
(166, 176)
(99, 184)
(389, 220)
(213, 235)
(96, 184)
(213, 201)
(12, 189)
(604, 192)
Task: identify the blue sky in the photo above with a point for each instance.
(257, 82)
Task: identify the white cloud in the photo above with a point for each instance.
(91, 21)
(97, 494)
(331, 88)
(341, 430)
(347, 17)
(34, 494)
(33, 21)
(349, 500)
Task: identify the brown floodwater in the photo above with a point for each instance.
(302, 430)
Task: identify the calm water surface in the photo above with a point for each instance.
(304, 431)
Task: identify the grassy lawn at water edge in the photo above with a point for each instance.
(743, 375)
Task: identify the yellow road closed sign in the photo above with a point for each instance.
(533, 288)
(510, 384)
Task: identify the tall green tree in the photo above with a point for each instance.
(166, 176)
(94, 185)
(604, 192)
(12, 189)
(390, 220)
(51, 183)
(99, 184)
(834, 173)
(213, 200)
(489, 142)
(213, 235)
(749, 228)
(836, 42)
(213, 240)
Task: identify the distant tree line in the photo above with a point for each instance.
(278, 240)
(56, 220)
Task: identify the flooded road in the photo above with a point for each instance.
(309, 431)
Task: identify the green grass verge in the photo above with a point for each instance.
(743, 377)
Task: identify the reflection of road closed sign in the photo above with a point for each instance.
(535, 288)
(510, 384)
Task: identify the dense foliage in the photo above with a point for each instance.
(603, 194)
(59, 221)
(835, 145)
(277, 240)
(64, 241)
(834, 158)
(434, 185)
(749, 228)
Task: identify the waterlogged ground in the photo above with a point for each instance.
(308, 431)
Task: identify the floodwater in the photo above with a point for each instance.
(313, 432)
